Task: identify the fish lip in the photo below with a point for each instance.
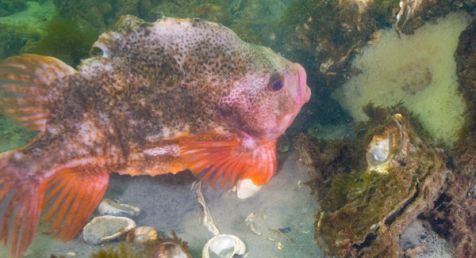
(303, 92)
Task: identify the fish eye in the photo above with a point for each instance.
(275, 82)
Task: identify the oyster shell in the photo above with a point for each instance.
(111, 207)
(142, 235)
(371, 188)
(173, 247)
(106, 228)
(385, 145)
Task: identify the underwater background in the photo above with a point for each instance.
(413, 61)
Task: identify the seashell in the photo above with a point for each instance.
(106, 228)
(385, 145)
(223, 246)
(141, 235)
(172, 248)
(110, 207)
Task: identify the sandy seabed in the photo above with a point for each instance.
(280, 216)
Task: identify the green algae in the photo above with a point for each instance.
(65, 40)
(33, 18)
(8, 7)
(124, 250)
(362, 199)
(12, 135)
(21, 30)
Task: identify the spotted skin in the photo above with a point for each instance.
(161, 80)
(161, 97)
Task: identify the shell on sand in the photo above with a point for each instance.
(106, 228)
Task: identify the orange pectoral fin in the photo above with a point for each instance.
(227, 162)
(72, 196)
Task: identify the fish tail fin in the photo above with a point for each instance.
(24, 85)
(21, 201)
(63, 197)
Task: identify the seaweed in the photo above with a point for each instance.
(11, 41)
(8, 7)
(12, 135)
(124, 250)
(66, 40)
(365, 203)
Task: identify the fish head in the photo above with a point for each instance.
(264, 102)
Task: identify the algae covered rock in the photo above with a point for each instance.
(326, 32)
(413, 14)
(21, 29)
(371, 188)
(161, 247)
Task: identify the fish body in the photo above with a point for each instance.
(162, 97)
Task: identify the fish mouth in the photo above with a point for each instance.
(303, 90)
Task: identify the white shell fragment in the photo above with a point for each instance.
(106, 228)
(223, 246)
(110, 207)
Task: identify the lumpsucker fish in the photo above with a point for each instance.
(161, 97)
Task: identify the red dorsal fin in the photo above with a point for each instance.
(24, 84)
(72, 196)
(227, 161)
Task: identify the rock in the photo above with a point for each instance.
(369, 194)
(110, 207)
(106, 228)
(412, 14)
